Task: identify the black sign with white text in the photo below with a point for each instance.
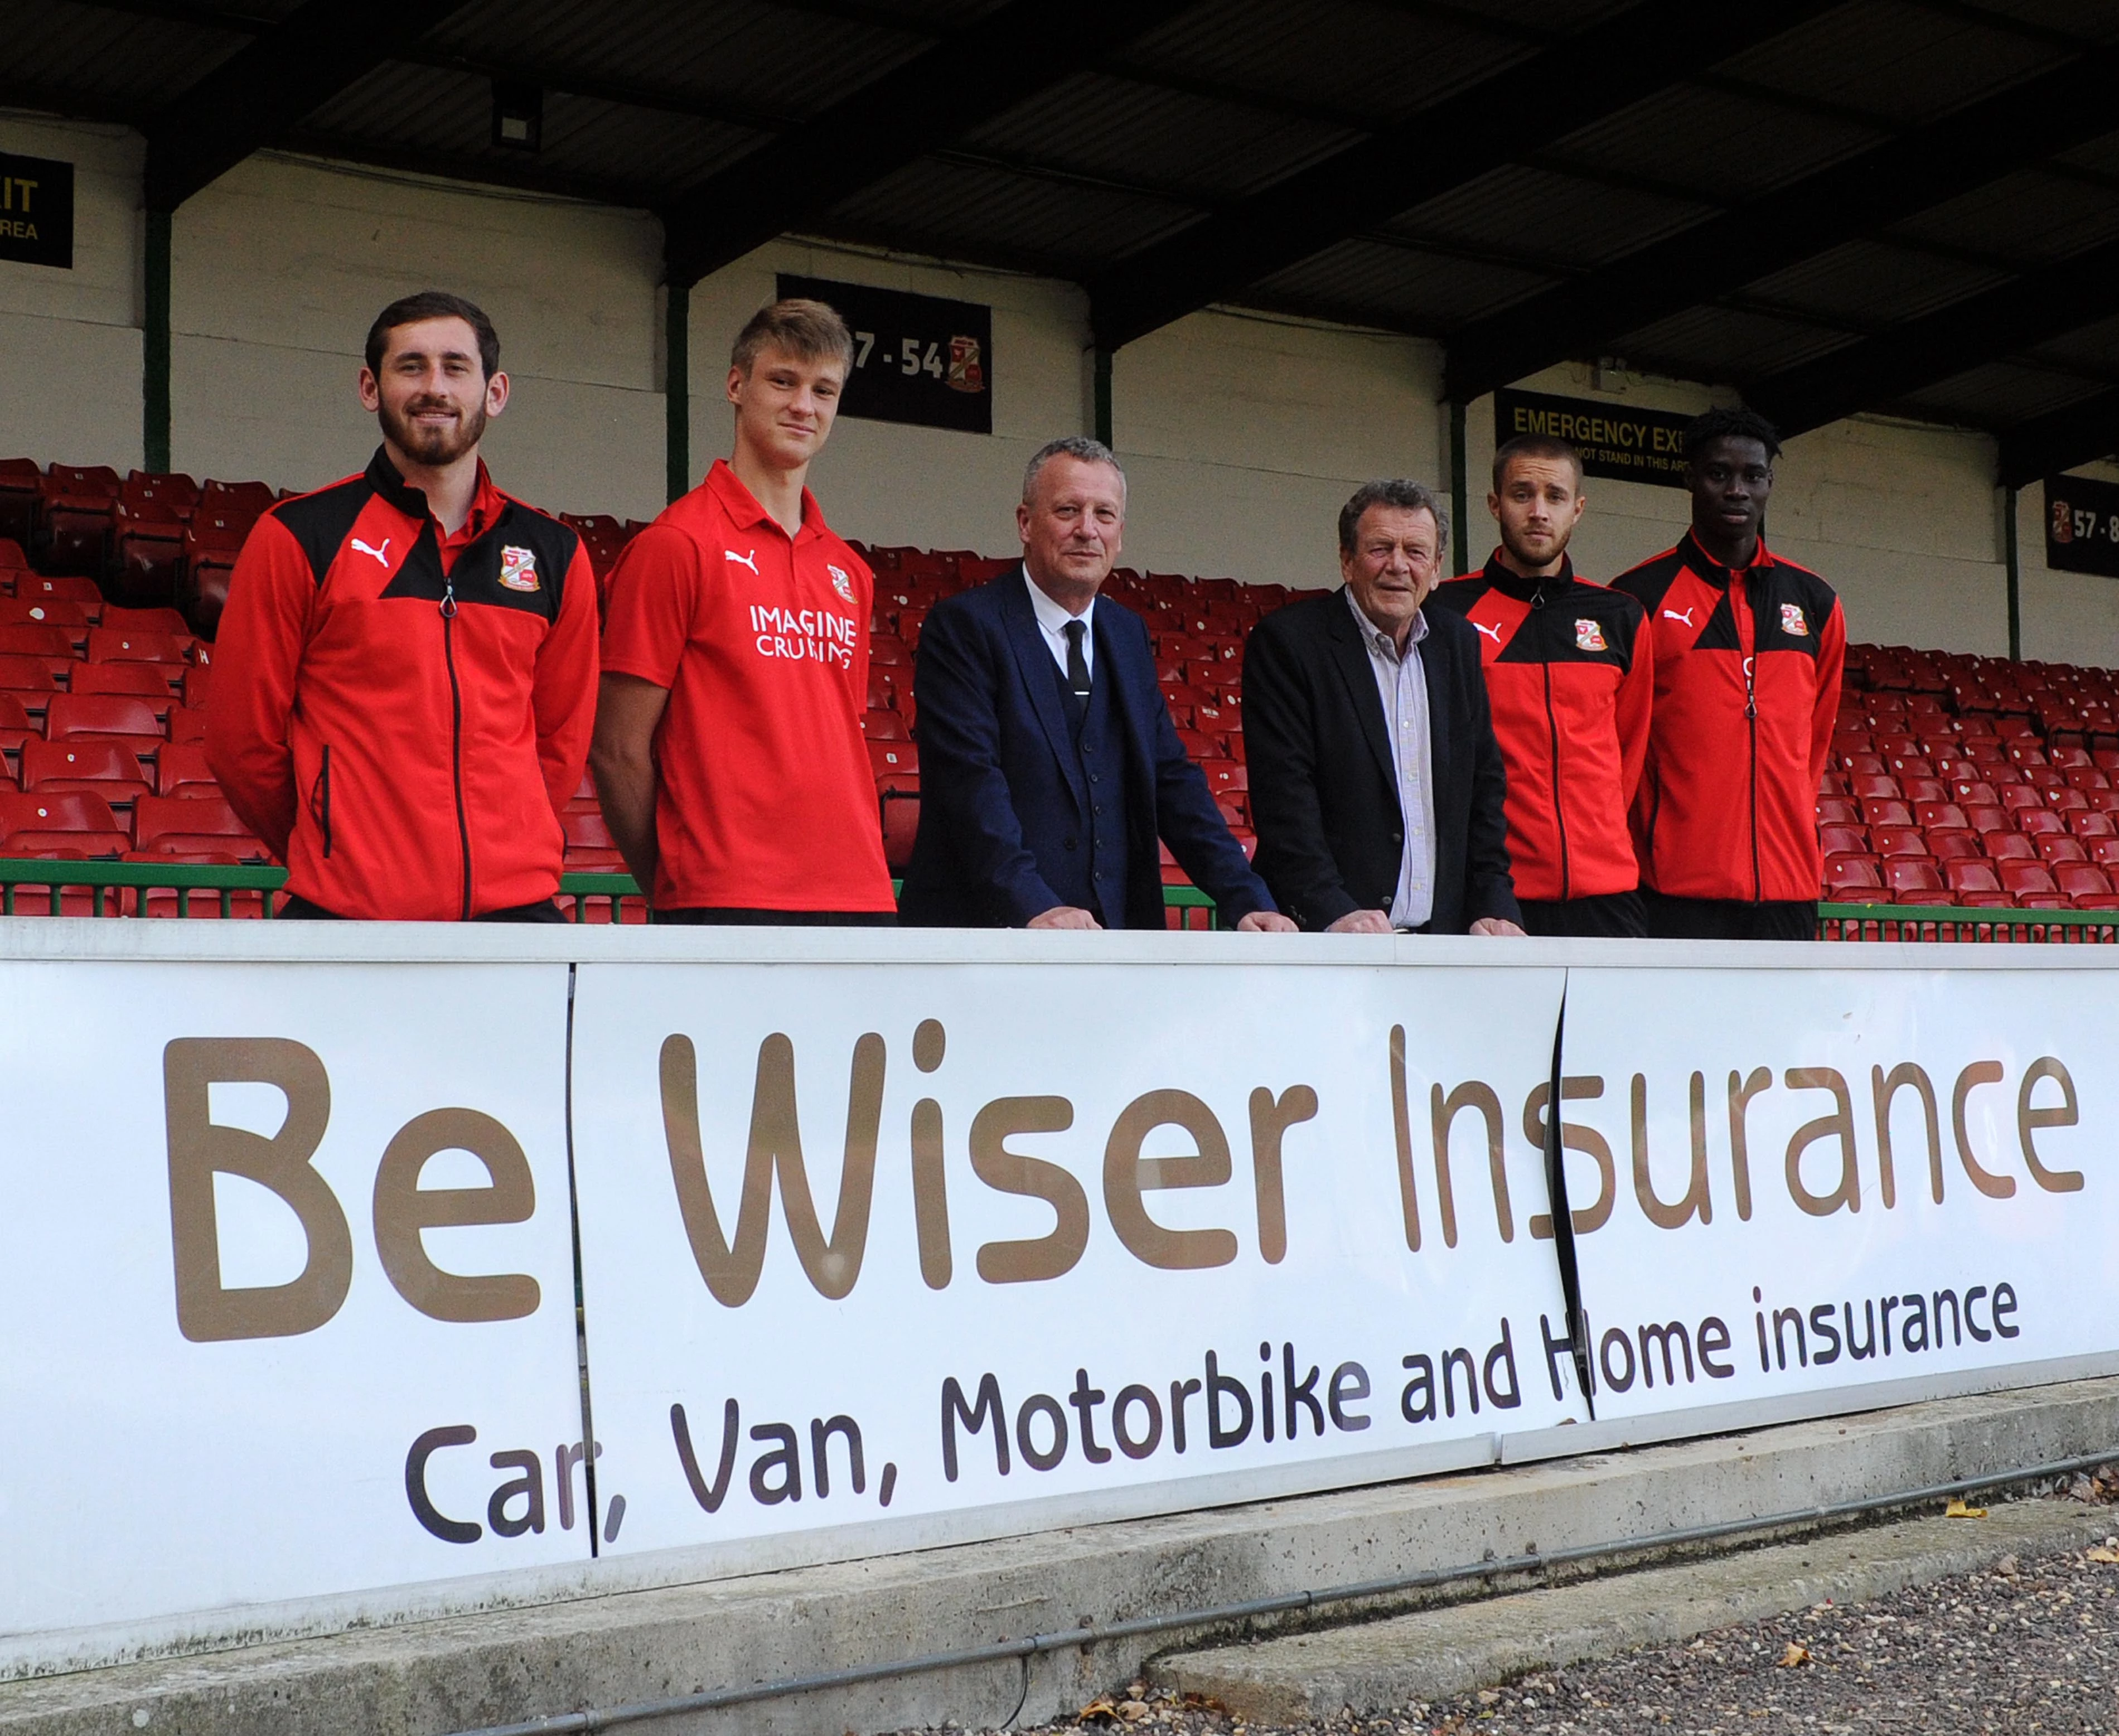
(1615, 440)
(917, 359)
(2082, 526)
(36, 211)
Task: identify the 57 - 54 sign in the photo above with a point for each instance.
(2082, 526)
(917, 359)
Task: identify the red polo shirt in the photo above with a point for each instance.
(767, 801)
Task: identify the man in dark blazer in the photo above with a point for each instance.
(1375, 780)
(1049, 765)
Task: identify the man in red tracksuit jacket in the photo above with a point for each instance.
(404, 680)
(1570, 671)
(1748, 649)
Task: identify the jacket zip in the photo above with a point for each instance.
(1552, 730)
(1749, 660)
(456, 729)
(323, 799)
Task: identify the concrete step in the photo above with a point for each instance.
(433, 1678)
(1378, 1666)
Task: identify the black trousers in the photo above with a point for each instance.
(1729, 919)
(1612, 913)
(725, 917)
(300, 909)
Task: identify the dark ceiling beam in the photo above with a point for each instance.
(520, 172)
(267, 87)
(932, 99)
(2047, 444)
(1550, 93)
(1979, 144)
(1967, 334)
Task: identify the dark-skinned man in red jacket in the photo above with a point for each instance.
(1748, 649)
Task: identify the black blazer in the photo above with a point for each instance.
(1001, 793)
(1324, 797)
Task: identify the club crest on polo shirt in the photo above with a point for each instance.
(840, 582)
(518, 569)
(1589, 636)
(1792, 623)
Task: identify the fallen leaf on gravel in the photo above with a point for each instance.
(1095, 1709)
(1132, 1710)
(1958, 1510)
(1794, 1655)
(2110, 1557)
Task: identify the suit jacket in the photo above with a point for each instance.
(1322, 793)
(1001, 791)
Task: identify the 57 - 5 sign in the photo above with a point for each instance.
(917, 359)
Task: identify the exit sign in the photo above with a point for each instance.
(36, 211)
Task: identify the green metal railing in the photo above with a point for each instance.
(30, 888)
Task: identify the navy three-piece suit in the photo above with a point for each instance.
(1030, 798)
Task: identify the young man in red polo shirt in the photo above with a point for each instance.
(1570, 670)
(728, 750)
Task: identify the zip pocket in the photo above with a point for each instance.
(320, 801)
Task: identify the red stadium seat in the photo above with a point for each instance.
(113, 717)
(104, 768)
(180, 769)
(2021, 880)
(58, 588)
(2089, 823)
(2039, 820)
(32, 825)
(1989, 820)
(1894, 841)
(1852, 879)
(2009, 846)
(52, 645)
(32, 675)
(1941, 816)
(108, 644)
(15, 727)
(883, 726)
(589, 843)
(1914, 880)
(885, 649)
(1838, 811)
(138, 680)
(888, 758)
(186, 724)
(2060, 847)
(898, 796)
(1971, 877)
(1875, 814)
(1835, 840)
(46, 611)
(1954, 846)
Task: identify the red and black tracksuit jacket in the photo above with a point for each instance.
(402, 716)
(1747, 668)
(1569, 673)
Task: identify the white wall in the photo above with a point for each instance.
(279, 268)
(70, 340)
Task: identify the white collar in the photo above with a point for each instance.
(1050, 616)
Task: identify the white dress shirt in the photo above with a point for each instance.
(1402, 686)
(1052, 622)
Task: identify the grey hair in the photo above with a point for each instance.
(1068, 446)
(1397, 491)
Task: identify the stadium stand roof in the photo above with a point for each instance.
(1904, 206)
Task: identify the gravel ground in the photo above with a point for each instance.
(2030, 1649)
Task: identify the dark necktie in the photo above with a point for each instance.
(1077, 664)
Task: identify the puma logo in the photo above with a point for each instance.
(749, 560)
(381, 556)
(1491, 633)
(1671, 615)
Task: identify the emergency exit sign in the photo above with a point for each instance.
(36, 211)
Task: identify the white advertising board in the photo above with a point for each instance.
(269, 1227)
(1801, 1191)
(998, 1247)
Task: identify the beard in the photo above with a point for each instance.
(430, 445)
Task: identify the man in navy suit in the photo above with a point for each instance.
(1049, 765)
